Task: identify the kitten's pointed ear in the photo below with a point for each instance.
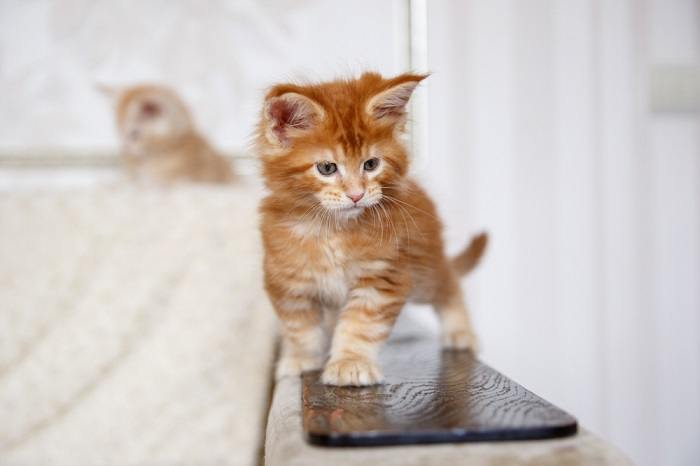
(288, 116)
(390, 104)
(111, 92)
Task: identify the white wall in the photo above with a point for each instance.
(541, 132)
(219, 54)
(538, 129)
(674, 161)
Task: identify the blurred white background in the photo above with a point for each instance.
(220, 55)
(540, 124)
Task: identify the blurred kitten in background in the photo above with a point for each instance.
(159, 142)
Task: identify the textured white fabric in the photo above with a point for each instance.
(133, 327)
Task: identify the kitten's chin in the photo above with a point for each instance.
(135, 148)
(348, 213)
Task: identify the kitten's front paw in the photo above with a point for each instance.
(293, 366)
(355, 372)
(460, 340)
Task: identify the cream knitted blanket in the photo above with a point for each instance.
(133, 327)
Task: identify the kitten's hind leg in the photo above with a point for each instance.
(303, 337)
(457, 330)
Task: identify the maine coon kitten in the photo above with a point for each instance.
(348, 236)
(159, 142)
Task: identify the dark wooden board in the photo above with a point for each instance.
(429, 396)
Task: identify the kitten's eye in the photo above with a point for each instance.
(326, 168)
(371, 164)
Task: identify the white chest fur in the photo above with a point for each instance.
(330, 271)
(331, 274)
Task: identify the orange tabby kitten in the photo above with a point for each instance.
(348, 236)
(159, 141)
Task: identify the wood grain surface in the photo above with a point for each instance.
(429, 396)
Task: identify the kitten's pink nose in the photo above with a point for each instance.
(355, 197)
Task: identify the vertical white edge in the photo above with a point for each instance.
(418, 63)
(402, 34)
(628, 346)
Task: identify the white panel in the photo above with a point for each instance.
(534, 164)
(675, 208)
(628, 347)
(579, 314)
(673, 31)
(676, 277)
(220, 54)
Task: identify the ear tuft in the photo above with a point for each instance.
(290, 115)
(390, 104)
(111, 92)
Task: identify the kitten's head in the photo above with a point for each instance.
(336, 144)
(148, 116)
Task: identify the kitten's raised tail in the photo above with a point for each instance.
(464, 262)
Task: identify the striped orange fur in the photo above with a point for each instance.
(349, 238)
